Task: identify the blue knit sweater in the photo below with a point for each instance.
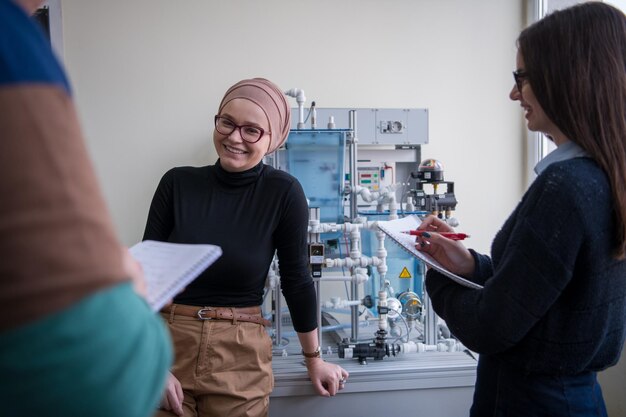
(554, 298)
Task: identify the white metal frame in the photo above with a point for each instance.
(56, 26)
(538, 145)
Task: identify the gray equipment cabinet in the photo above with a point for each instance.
(433, 384)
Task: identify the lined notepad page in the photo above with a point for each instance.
(394, 229)
(169, 267)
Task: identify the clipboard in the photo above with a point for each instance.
(394, 229)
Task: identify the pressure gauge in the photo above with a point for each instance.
(411, 304)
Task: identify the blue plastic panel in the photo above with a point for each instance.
(316, 159)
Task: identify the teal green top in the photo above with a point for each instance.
(107, 355)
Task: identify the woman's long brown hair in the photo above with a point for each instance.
(576, 64)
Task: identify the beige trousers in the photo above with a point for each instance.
(225, 369)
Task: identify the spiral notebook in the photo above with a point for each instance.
(169, 267)
(394, 229)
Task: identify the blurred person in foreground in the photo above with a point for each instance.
(77, 337)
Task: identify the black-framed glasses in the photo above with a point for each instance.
(519, 76)
(249, 133)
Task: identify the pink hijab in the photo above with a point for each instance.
(271, 100)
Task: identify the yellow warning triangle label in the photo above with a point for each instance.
(405, 273)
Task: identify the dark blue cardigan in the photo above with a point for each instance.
(554, 298)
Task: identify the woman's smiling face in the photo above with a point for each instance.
(536, 118)
(237, 155)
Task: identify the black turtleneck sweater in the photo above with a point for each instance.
(250, 215)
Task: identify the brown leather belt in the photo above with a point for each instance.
(234, 314)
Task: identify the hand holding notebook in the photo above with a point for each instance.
(169, 267)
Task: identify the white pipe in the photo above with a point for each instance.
(382, 302)
(381, 252)
(379, 261)
(393, 207)
(317, 227)
(338, 302)
(331, 277)
(298, 93)
(360, 278)
(386, 196)
(355, 243)
(361, 262)
(356, 261)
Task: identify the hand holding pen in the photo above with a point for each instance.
(447, 250)
(449, 235)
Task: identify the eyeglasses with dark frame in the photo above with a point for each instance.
(248, 133)
(519, 76)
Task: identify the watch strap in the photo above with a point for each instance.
(316, 354)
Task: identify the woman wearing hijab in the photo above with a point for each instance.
(551, 313)
(251, 210)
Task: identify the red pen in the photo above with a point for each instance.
(449, 235)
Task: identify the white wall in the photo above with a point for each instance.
(148, 76)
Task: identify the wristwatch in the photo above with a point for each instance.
(315, 354)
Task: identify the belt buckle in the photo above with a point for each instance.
(200, 313)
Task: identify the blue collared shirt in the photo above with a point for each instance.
(567, 150)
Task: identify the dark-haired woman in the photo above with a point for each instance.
(552, 312)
